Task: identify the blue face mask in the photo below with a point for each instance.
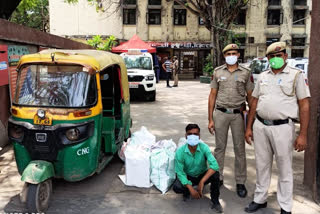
(193, 140)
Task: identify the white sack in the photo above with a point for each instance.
(137, 167)
(162, 165)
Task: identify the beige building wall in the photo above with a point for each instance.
(82, 19)
(257, 27)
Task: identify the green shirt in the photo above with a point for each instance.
(195, 164)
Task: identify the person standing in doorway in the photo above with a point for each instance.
(280, 95)
(175, 71)
(167, 66)
(230, 85)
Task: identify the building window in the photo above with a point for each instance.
(201, 22)
(299, 2)
(130, 2)
(299, 17)
(274, 2)
(129, 16)
(241, 18)
(180, 16)
(298, 41)
(295, 53)
(154, 17)
(154, 2)
(251, 40)
(271, 40)
(273, 17)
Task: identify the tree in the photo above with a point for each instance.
(100, 44)
(218, 17)
(32, 13)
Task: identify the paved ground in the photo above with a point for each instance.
(166, 118)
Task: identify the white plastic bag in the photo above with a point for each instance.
(143, 138)
(162, 165)
(123, 148)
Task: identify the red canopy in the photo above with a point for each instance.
(134, 43)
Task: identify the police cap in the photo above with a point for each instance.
(230, 47)
(276, 47)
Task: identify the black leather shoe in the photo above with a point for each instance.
(216, 206)
(284, 212)
(253, 207)
(221, 183)
(241, 190)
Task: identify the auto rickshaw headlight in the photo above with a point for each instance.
(15, 132)
(73, 134)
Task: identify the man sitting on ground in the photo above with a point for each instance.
(191, 167)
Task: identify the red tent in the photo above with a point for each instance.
(134, 43)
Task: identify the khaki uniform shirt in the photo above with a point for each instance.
(175, 65)
(278, 94)
(231, 86)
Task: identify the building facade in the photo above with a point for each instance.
(175, 31)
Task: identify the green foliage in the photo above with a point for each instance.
(101, 44)
(208, 68)
(32, 13)
(91, 2)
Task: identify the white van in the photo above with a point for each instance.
(301, 63)
(141, 77)
(257, 66)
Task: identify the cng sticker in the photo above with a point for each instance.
(83, 151)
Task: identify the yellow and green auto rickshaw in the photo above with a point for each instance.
(70, 115)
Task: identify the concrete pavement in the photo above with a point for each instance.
(166, 118)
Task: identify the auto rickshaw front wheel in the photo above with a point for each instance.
(38, 196)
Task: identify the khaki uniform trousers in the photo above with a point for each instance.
(278, 141)
(175, 77)
(222, 121)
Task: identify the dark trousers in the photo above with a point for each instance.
(168, 78)
(214, 185)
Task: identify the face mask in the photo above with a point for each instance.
(231, 60)
(276, 62)
(193, 140)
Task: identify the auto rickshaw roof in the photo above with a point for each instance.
(98, 60)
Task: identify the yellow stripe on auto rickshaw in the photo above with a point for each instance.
(55, 113)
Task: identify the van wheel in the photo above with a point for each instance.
(152, 96)
(38, 196)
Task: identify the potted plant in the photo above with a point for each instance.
(207, 70)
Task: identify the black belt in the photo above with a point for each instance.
(229, 111)
(272, 122)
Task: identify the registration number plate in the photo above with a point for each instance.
(38, 121)
(133, 85)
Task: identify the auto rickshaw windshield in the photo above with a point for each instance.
(55, 86)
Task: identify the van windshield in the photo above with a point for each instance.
(55, 86)
(259, 66)
(138, 62)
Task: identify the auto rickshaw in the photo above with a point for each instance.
(70, 115)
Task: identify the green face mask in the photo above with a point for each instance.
(276, 62)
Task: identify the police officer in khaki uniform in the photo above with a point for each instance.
(230, 85)
(281, 94)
